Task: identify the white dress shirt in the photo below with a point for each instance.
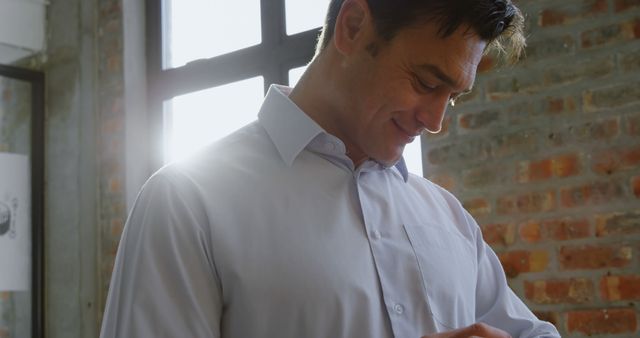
(272, 232)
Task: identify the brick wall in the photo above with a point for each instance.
(111, 139)
(546, 155)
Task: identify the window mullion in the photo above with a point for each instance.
(273, 22)
(273, 34)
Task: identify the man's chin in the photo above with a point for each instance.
(389, 161)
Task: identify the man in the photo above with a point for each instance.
(306, 223)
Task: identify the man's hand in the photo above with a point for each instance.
(477, 330)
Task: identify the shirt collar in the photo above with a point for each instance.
(291, 129)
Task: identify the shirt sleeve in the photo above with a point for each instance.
(164, 282)
(496, 304)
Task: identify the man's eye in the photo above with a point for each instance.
(425, 85)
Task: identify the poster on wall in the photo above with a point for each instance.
(15, 223)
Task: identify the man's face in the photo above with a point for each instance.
(398, 89)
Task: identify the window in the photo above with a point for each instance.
(196, 119)
(199, 29)
(209, 61)
(303, 15)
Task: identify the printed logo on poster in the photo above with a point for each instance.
(8, 215)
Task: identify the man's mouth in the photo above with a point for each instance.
(407, 135)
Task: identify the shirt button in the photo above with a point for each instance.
(398, 308)
(376, 235)
(330, 146)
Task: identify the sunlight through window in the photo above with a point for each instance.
(200, 29)
(196, 119)
(295, 74)
(303, 15)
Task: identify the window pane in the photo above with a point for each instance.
(303, 15)
(413, 156)
(295, 74)
(196, 119)
(200, 29)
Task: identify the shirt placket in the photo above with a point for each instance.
(393, 255)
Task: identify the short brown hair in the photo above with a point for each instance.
(499, 22)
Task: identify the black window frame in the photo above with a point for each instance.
(272, 59)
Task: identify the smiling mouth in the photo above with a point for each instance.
(408, 136)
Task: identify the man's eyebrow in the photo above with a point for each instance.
(437, 72)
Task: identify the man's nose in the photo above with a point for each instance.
(430, 111)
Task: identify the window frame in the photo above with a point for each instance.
(272, 59)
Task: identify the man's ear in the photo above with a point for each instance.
(352, 25)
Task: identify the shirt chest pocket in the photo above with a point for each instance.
(448, 266)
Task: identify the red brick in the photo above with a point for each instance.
(551, 18)
(478, 207)
(526, 203)
(623, 5)
(558, 166)
(444, 180)
(629, 62)
(558, 105)
(523, 113)
(474, 121)
(610, 161)
(566, 165)
(469, 150)
(633, 125)
(530, 171)
(611, 34)
(555, 105)
(547, 316)
(571, 291)
(592, 131)
(635, 186)
(530, 232)
(567, 229)
(613, 288)
(112, 126)
(522, 261)
(115, 185)
(514, 143)
(616, 224)
(549, 46)
(579, 70)
(499, 234)
(7, 94)
(594, 257)
(564, 15)
(506, 87)
(114, 63)
(606, 321)
(116, 227)
(591, 194)
(479, 177)
(611, 97)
